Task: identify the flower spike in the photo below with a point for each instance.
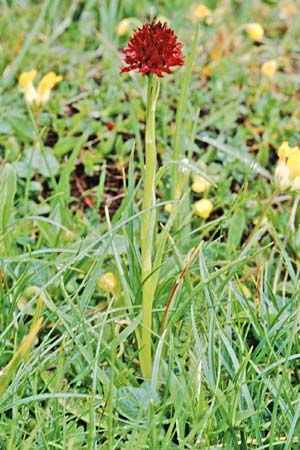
(153, 48)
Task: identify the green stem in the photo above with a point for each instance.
(148, 228)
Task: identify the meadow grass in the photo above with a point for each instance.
(225, 333)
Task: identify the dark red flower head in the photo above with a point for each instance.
(153, 48)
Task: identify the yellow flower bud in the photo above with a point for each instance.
(168, 207)
(200, 185)
(123, 27)
(203, 208)
(255, 31)
(107, 282)
(200, 11)
(269, 68)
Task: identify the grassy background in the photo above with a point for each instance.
(226, 374)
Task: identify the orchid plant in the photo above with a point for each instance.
(152, 50)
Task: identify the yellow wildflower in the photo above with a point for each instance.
(107, 282)
(284, 150)
(27, 78)
(293, 162)
(200, 184)
(45, 86)
(255, 31)
(287, 172)
(269, 68)
(26, 84)
(42, 93)
(200, 13)
(203, 208)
